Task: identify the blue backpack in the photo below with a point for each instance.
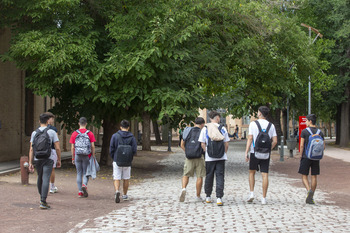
(315, 146)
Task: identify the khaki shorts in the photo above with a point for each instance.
(194, 165)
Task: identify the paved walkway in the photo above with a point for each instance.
(154, 205)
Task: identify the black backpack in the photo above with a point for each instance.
(123, 155)
(263, 140)
(193, 148)
(216, 149)
(42, 144)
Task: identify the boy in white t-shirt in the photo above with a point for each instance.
(250, 153)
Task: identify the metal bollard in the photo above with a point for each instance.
(169, 140)
(282, 150)
(24, 164)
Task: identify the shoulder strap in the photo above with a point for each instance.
(268, 127)
(309, 130)
(259, 126)
(78, 131)
(87, 131)
(318, 131)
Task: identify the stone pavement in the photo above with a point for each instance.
(154, 205)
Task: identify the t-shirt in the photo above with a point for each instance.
(254, 130)
(53, 138)
(54, 129)
(75, 134)
(305, 134)
(186, 132)
(203, 137)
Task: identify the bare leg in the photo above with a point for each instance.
(306, 182)
(52, 177)
(116, 185)
(185, 180)
(252, 180)
(265, 183)
(313, 183)
(125, 186)
(199, 184)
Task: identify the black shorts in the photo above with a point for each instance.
(306, 164)
(255, 163)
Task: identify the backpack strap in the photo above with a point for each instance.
(220, 128)
(260, 129)
(268, 127)
(309, 130)
(121, 140)
(259, 126)
(78, 131)
(318, 131)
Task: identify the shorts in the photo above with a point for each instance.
(194, 165)
(255, 164)
(306, 164)
(121, 173)
(53, 157)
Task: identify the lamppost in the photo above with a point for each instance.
(318, 35)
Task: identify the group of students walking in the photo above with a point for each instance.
(206, 146)
(45, 155)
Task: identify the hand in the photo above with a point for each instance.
(58, 164)
(73, 162)
(247, 157)
(31, 168)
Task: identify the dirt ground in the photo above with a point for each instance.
(333, 178)
(19, 211)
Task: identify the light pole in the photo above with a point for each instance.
(318, 34)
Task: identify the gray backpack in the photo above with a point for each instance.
(82, 143)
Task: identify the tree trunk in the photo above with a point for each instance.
(146, 131)
(156, 132)
(109, 128)
(275, 118)
(330, 130)
(345, 120)
(337, 125)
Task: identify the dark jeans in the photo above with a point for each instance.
(44, 169)
(217, 168)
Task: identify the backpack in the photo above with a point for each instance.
(193, 148)
(42, 144)
(82, 143)
(315, 146)
(216, 149)
(262, 145)
(123, 156)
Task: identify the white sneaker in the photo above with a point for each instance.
(54, 190)
(199, 199)
(263, 201)
(125, 198)
(183, 195)
(250, 198)
(208, 199)
(219, 202)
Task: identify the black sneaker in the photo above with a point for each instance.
(44, 205)
(310, 197)
(85, 193)
(117, 197)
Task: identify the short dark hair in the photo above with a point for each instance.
(199, 121)
(50, 114)
(44, 118)
(83, 121)
(213, 114)
(312, 118)
(125, 124)
(264, 111)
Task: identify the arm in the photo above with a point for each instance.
(112, 147)
(58, 151)
(31, 156)
(226, 147)
(93, 148)
(274, 142)
(183, 145)
(247, 149)
(302, 141)
(72, 151)
(204, 146)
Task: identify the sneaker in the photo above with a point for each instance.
(250, 198)
(263, 201)
(208, 199)
(199, 199)
(310, 197)
(44, 205)
(116, 197)
(84, 188)
(219, 202)
(125, 198)
(54, 190)
(80, 194)
(183, 195)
